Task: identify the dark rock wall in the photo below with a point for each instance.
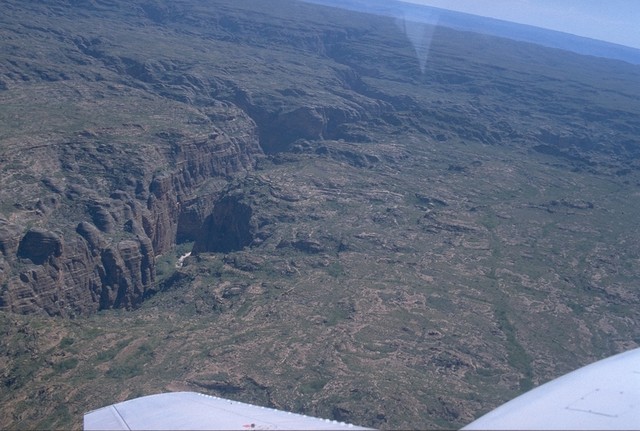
(108, 260)
(228, 228)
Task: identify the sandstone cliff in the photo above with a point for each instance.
(137, 135)
(95, 231)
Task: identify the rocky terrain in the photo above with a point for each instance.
(372, 239)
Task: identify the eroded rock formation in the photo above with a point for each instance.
(91, 249)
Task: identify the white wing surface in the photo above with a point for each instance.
(600, 396)
(603, 395)
(194, 411)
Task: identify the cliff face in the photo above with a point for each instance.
(138, 132)
(90, 249)
(228, 228)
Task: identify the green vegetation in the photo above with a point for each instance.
(66, 342)
(132, 364)
(109, 354)
(167, 264)
(518, 356)
(65, 365)
(335, 269)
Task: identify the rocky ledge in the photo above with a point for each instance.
(87, 238)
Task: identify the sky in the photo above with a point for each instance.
(616, 21)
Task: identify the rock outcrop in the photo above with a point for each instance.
(91, 250)
(228, 228)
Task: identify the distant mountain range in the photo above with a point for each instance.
(490, 26)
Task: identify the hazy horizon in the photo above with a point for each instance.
(615, 21)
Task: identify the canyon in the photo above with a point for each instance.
(278, 202)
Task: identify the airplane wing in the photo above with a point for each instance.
(195, 411)
(603, 395)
